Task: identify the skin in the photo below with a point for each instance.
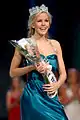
(41, 25)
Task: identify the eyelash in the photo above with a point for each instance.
(41, 20)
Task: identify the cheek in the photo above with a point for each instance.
(37, 25)
(48, 24)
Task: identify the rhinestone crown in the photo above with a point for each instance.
(35, 10)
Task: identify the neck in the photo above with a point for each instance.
(16, 88)
(39, 37)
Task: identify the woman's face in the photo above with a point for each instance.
(16, 82)
(41, 24)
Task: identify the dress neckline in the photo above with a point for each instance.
(49, 55)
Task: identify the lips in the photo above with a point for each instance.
(43, 28)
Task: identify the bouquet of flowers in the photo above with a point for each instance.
(28, 48)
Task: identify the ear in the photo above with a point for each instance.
(32, 26)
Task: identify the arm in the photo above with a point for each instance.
(52, 87)
(14, 68)
(62, 71)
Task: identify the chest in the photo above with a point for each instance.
(15, 94)
(46, 48)
(52, 59)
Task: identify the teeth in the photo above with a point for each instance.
(43, 29)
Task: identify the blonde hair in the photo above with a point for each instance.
(31, 20)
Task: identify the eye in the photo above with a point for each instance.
(46, 20)
(39, 20)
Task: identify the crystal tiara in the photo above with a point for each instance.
(37, 9)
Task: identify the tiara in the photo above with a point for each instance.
(37, 9)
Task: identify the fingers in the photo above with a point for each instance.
(40, 67)
(51, 93)
(47, 85)
(48, 89)
(51, 88)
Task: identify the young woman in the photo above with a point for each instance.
(13, 100)
(35, 104)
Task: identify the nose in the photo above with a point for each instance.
(43, 23)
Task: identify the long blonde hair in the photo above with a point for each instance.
(31, 20)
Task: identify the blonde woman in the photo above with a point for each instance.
(35, 104)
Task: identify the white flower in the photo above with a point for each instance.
(22, 42)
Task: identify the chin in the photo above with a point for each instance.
(42, 33)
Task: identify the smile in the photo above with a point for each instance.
(42, 29)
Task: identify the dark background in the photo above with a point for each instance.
(13, 25)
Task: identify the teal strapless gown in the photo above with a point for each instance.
(35, 104)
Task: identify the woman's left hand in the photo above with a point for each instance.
(51, 87)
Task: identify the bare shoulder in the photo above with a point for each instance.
(8, 93)
(57, 46)
(16, 53)
(55, 43)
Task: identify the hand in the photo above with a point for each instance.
(51, 87)
(41, 67)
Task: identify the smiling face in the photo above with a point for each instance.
(41, 24)
(15, 82)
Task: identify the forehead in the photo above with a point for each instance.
(42, 15)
